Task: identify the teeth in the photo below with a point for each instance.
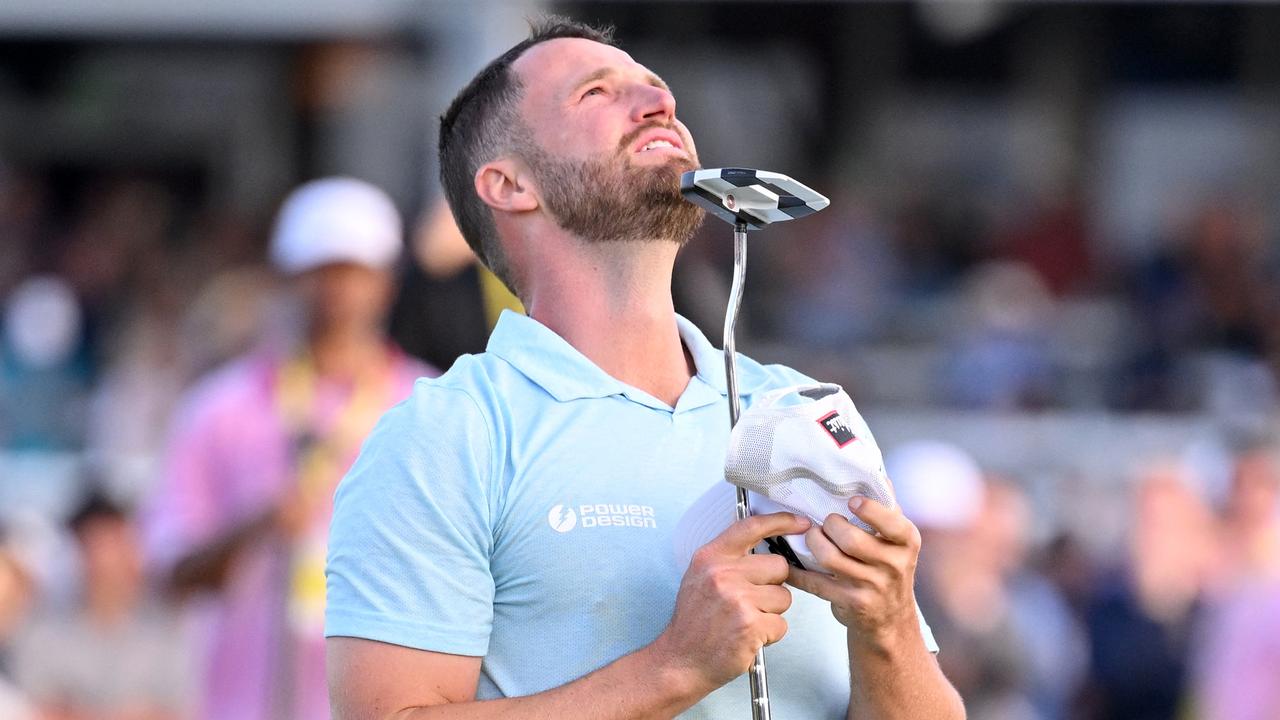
(655, 144)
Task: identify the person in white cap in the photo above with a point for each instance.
(257, 447)
(503, 547)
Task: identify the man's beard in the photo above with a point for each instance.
(610, 200)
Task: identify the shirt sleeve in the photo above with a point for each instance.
(411, 536)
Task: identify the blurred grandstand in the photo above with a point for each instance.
(1054, 238)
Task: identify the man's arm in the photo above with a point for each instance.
(376, 681)
(208, 566)
(871, 590)
(729, 605)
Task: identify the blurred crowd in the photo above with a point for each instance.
(1180, 622)
(139, 335)
(238, 407)
(1018, 308)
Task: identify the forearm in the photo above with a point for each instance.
(895, 677)
(648, 683)
(207, 567)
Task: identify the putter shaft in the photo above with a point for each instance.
(759, 682)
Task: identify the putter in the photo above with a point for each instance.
(748, 200)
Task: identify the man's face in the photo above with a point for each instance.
(346, 295)
(111, 554)
(604, 143)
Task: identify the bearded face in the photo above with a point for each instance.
(611, 199)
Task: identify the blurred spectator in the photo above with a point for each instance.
(259, 445)
(450, 301)
(15, 591)
(1053, 239)
(232, 312)
(44, 373)
(961, 583)
(1000, 358)
(1065, 563)
(839, 276)
(114, 250)
(1207, 291)
(1053, 640)
(118, 654)
(1241, 659)
(935, 236)
(1143, 614)
(1253, 516)
(22, 211)
(156, 358)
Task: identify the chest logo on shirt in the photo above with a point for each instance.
(563, 518)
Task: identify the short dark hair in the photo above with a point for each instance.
(481, 123)
(96, 505)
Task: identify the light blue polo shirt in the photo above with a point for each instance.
(521, 507)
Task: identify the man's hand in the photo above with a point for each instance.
(871, 585)
(731, 602)
(894, 676)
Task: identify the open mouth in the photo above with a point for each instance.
(659, 140)
(655, 144)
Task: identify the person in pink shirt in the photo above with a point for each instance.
(1239, 663)
(240, 520)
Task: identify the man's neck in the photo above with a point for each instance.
(612, 302)
(107, 604)
(345, 355)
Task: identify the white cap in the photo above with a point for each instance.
(808, 449)
(939, 485)
(42, 321)
(336, 220)
(802, 449)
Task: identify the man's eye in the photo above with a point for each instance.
(593, 91)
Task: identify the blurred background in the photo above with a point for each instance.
(1048, 277)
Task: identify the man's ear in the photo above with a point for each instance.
(504, 184)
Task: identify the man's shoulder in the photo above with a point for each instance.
(468, 398)
(484, 379)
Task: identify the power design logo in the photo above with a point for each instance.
(562, 519)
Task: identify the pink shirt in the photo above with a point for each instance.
(230, 459)
(1240, 663)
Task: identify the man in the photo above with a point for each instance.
(117, 653)
(1241, 632)
(258, 446)
(503, 546)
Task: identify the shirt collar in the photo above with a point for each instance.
(566, 374)
(707, 358)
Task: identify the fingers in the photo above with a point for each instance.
(889, 522)
(835, 559)
(774, 599)
(814, 583)
(775, 627)
(853, 540)
(744, 535)
(764, 569)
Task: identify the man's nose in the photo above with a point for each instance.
(654, 103)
